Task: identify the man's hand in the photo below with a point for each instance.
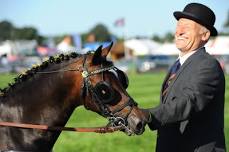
(152, 122)
(147, 115)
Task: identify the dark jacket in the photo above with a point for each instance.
(191, 116)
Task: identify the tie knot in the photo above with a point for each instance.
(175, 67)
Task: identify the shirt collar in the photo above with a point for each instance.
(186, 56)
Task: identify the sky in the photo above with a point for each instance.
(142, 17)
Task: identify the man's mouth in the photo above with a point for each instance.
(180, 38)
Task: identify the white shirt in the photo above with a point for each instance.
(186, 56)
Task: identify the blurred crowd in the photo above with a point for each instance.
(133, 55)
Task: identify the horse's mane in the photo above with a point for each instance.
(32, 71)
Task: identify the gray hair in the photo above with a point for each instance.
(203, 29)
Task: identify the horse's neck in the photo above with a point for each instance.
(44, 95)
(41, 101)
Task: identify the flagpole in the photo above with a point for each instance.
(121, 23)
(126, 54)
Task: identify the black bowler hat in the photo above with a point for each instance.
(200, 14)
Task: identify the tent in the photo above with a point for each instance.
(218, 46)
(141, 46)
(5, 48)
(166, 49)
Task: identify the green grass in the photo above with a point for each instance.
(145, 90)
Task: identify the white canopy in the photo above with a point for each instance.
(141, 46)
(5, 48)
(218, 46)
(166, 49)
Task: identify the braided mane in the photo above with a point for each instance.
(32, 71)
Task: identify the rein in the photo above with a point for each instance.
(117, 123)
(54, 128)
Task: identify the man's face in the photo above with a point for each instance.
(188, 36)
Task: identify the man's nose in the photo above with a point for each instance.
(178, 31)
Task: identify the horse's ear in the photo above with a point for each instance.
(97, 55)
(106, 50)
(100, 54)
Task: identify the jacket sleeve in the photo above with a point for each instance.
(194, 97)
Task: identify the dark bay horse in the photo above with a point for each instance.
(49, 93)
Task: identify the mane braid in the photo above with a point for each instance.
(32, 71)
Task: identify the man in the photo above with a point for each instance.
(190, 117)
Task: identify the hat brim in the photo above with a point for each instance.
(179, 15)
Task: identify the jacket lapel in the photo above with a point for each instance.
(187, 62)
(163, 84)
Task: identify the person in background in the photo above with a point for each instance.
(190, 116)
(66, 46)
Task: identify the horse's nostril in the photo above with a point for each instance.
(139, 126)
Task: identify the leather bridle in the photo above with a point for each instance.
(115, 122)
(87, 88)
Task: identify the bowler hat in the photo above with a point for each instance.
(200, 14)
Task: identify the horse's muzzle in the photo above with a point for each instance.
(136, 125)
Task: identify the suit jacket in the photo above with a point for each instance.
(191, 116)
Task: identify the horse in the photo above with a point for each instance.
(50, 92)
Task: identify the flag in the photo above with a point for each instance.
(119, 22)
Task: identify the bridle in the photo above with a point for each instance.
(115, 122)
(87, 88)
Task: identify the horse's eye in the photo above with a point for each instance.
(105, 93)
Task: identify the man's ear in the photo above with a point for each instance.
(101, 54)
(206, 36)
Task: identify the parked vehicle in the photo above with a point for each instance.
(24, 63)
(152, 63)
(224, 62)
(126, 65)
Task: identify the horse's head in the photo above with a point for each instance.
(104, 91)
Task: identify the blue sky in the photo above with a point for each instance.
(142, 17)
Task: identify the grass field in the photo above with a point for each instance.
(144, 89)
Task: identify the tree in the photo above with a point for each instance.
(9, 32)
(26, 33)
(101, 33)
(226, 24)
(157, 38)
(169, 37)
(6, 30)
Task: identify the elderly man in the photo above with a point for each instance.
(190, 117)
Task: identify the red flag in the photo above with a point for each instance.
(120, 22)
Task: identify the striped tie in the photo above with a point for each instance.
(172, 74)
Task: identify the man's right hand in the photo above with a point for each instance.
(147, 115)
